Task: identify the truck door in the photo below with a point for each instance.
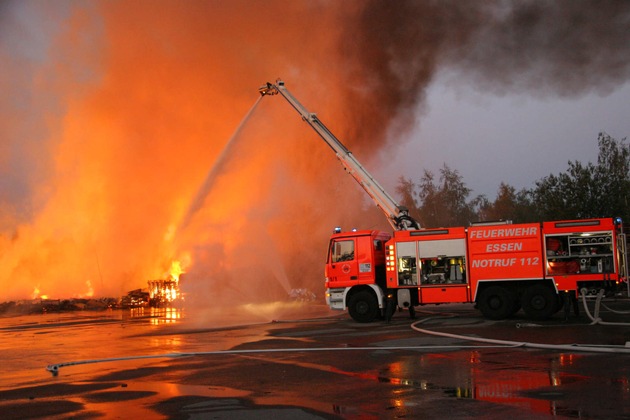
(342, 262)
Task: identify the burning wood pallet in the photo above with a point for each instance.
(164, 293)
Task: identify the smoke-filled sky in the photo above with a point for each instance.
(115, 117)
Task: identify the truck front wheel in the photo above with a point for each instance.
(539, 302)
(496, 302)
(363, 306)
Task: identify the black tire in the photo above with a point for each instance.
(539, 302)
(496, 302)
(363, 306)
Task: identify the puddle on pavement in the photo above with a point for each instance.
(141, 397)
(533, 381)
(518, 379)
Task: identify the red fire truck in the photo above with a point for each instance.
(501, 267)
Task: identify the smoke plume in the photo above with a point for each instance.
(115, 114)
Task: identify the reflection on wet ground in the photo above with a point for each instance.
(320, 365)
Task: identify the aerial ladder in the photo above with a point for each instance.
(397, 215)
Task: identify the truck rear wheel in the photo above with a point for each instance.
(496, 302)
(539, 302)
(363, 306)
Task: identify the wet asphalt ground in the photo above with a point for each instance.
(312, 363)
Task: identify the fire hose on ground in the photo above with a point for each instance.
(491, 343)
(570, 347)
(54, 368)
(506, 343)
(598, 303)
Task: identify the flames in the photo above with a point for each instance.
(116, 144)
(37, 294)
(166, 292)
(175, 271)
(88, 293)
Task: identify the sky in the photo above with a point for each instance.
(132, 134)
(517, 139)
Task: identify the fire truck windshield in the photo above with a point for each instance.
(343, 251)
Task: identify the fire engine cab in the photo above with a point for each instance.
(500, 267)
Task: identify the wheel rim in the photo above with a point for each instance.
(538, 302)
(495, 302)
(362, 307)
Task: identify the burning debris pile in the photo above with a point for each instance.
(161, 292)
(165, 292)
(135, 299)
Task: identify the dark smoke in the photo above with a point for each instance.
(567, 48)
(395, 49)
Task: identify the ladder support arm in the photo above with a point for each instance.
(398, 216)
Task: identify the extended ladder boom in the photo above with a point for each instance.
(398, 216)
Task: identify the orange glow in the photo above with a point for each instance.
(176, 270)
(134, 119)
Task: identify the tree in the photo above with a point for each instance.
(613, 177)
(525, 210)
(444, 203)
(588, 190)
(509, 205)
(504, 207)
(583, 191)
(406, 189)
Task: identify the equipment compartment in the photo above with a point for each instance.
(579, 254)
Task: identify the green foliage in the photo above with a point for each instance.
(509, 205)
(583, 191)
(441, 203)
(588, 190)
(406, 190)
